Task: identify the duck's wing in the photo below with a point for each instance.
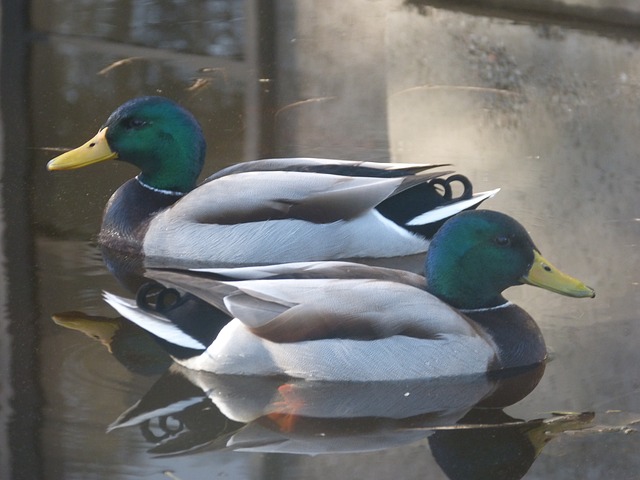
(214, 284)
(326, 166)
(254, 196)
(302, 270)
(293, 310)
(299, 310)
(316, 300)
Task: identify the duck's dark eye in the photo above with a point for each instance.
(134, 123)
(502, 241)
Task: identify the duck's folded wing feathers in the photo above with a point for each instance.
(317, 198)
(326, 166)
(214, 284)
(293, 270)
(300, 310)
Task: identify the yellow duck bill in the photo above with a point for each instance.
(544, 275)
(95, 150)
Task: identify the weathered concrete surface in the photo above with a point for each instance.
(607, 16)
(331, 79)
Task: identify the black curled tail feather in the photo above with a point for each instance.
(445, 183)
(411, 203)
(154, 297)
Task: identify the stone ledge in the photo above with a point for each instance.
(607, 17)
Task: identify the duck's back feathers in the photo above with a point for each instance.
(299, 310)
(312, 197)
(296, 270)
(326, 166)
(313, 301)
(214, 285)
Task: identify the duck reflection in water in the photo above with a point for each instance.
(189, 412)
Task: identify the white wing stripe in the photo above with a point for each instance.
(154, 324)
(441, 213)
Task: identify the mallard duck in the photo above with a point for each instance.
(342, 321)
(259, 212)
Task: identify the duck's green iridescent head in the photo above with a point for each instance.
(153, 133)
(476, 255)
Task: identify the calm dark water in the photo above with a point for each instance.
(548, 114)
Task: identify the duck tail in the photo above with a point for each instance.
(423, 207)
(183, 325)
(456, 206)
(170, 395)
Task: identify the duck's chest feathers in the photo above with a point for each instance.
(128, 213)
(518, 339)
